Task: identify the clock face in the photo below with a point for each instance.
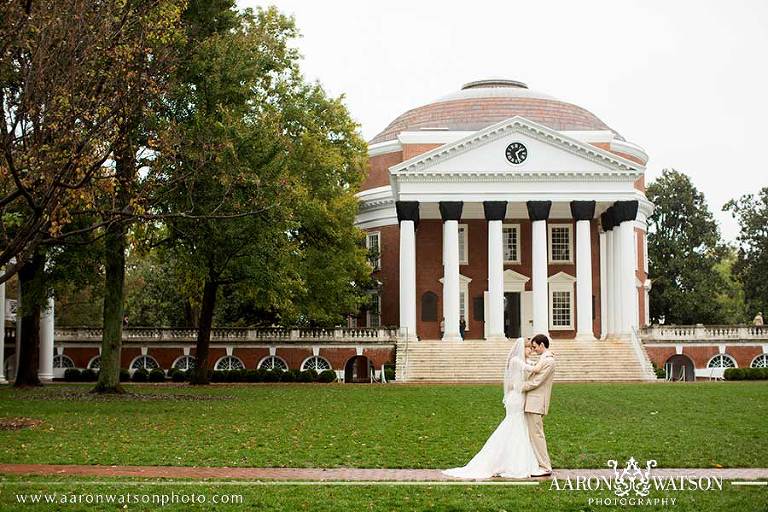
(516, 153)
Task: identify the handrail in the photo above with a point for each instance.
(642, 357)
(701, 332)
(232, 334)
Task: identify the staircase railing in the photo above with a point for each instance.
(642, 356)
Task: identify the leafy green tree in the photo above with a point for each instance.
(683, 250)
(751, 266)
(730, 299)
(277, 163)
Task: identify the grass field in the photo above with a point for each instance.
(332, 498)
(312, 425)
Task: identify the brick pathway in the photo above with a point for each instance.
(334, 474)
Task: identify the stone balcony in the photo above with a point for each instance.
(233, 335)
(704, 334)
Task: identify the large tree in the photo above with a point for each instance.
(269, 166)
(751, 266)
(683, 249)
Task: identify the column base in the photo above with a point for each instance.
(404, 338)
(45, 377)
(3, 381)
(587, 336)
(456, 337)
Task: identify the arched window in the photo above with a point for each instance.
(429, 307)
(146, 362)
(722, 361)
(273, 363)
(62, 361)
(228, 363)
(95, 363)
(760, 361)
(316, 363)
(184, 363)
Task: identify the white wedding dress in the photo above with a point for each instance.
(508, 453)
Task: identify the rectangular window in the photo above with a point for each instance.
(561, 310)
(373, 244)
(560, 250)
(463, 245)
(374, 312)
(511, 241)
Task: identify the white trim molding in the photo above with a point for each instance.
(561, 282)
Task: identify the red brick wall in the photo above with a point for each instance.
(378, 169)
(701, 354)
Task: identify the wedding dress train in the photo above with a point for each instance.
(508, 452)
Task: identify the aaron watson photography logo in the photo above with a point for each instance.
(633, 485)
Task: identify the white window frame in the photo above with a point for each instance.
(464, 255)
(368, 314)
(145, 357)
(516, 227)
(182, 358)
(754, 360)
(724, 356)
(562, 282)
(550, 228)
(374, 234)
(222, 358)
(303, 366)
(62, 357)
(266, 358)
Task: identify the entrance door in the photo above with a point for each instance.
(512, 314)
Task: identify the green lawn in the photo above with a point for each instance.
(332, 498)
(316, 425)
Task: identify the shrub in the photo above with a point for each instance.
(272, 376)
(72, 375)
(252, 375)
(178, 375)
(389, 373)
(89, 375)
(140, 375)
(216, 376)
(290, 375)
(305, 376)
(661, 373)
(746, 374)
(125, 375)
(327, 376)
(157, 375)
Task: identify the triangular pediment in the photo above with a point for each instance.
(548, 153)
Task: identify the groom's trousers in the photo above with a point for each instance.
(539, 442)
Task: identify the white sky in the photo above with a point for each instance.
(686, 80)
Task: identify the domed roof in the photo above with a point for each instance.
(486, 102)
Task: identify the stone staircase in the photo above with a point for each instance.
(483, 361)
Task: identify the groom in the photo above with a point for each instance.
(538, 388)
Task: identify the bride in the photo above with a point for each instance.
(508, 452)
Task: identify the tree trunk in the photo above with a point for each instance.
(114, 284)
(32, 284)
(200, 372)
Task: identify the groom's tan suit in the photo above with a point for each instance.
(538, 388)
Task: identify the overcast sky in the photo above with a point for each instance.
(687, 81)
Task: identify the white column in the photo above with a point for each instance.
(45, 363)
(2, 332)
(603, 286)
(451, 280)
(609, 285)
(539, 276)
(628, 288)
(618, 282)
(407, 280)
(584, 329)
(495, 281)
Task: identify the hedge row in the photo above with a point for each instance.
(746, 374)
(158, 375)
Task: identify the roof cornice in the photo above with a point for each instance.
(517, 124)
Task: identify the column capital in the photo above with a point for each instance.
(625, 210)
(538, 210)
(495, 210)
(407, 210)
(451, 210)
(608, 219)
(583, 210)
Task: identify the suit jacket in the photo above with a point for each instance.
(538, 386)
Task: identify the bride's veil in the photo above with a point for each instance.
(513, 372)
